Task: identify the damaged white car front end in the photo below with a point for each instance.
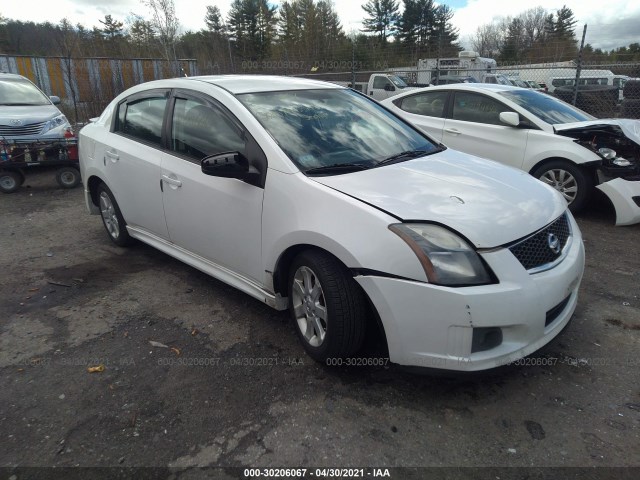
(617, 142)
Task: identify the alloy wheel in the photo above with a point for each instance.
(562, 181)
(108, 212)
(310, 308)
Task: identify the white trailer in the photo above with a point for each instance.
(466, 64)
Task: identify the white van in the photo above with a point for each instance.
(603, 78)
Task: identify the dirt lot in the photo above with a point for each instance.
(241, 392)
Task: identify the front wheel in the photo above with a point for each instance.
(327, 307)
(112, 217)
(574, 183)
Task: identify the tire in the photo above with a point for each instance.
(10, 181)
(112, 217)
(68, 177)
(333, 324)
(574, 183)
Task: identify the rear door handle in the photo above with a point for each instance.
(113, 156)
(172, 181)
(452, 131)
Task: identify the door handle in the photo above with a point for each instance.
(172, 181)
(452, 131)
(114, 157)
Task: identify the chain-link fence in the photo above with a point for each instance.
(596, 89)
(86, 85)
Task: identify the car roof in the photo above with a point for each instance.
(11, 76)
(492, 87)
(237, 84)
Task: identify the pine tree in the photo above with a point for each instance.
(417, 25)
(444, 36)
(382, 18)
(565, 23)
(112, 28)
(213, 20)
(512, 49)
(252, 27)
(308, 30)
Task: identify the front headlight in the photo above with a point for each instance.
(56, 122)
(446, 258)
(610, 154)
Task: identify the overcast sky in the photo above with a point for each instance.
(611, 23)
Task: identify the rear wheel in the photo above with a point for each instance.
(10, 181)
(68, 177)
(574, 183)
(112, 217)
(327, 307)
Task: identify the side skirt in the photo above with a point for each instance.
(216, 271)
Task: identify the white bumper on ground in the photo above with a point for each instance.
(432, 326)
(622, 192)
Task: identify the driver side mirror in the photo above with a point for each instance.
(54, 99)
(510, 118)
(229, 165)
(389, 88)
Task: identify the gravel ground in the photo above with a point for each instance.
(227, 383)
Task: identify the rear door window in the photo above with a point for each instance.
(430, 104)
(142, 118)
(473, 107)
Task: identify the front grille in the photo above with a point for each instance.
(17, 131)
(536, 250)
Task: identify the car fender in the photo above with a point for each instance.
(542, 146)
(306, 211)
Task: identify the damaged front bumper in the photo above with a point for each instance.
(624, 194)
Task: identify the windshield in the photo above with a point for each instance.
(328, 127)
(20, 91)
(547, 108)
(397, 81)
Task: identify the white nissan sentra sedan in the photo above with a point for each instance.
(314, 198)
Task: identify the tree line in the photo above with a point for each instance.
(537, 35)
(306, 35)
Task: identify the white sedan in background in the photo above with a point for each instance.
(311, 197)
(540, 134)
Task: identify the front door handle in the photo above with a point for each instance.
(452, 131)
(113, 156)
(172, 181)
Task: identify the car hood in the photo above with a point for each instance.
(488, 203)
(630, 128)
(27, 113)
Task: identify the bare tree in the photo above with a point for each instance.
(166, 24)
(489, 38)
(533, 22)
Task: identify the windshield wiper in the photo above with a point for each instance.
(337, 168)
(402, 156)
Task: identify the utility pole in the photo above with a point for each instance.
(353, 62)
(579, 67)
